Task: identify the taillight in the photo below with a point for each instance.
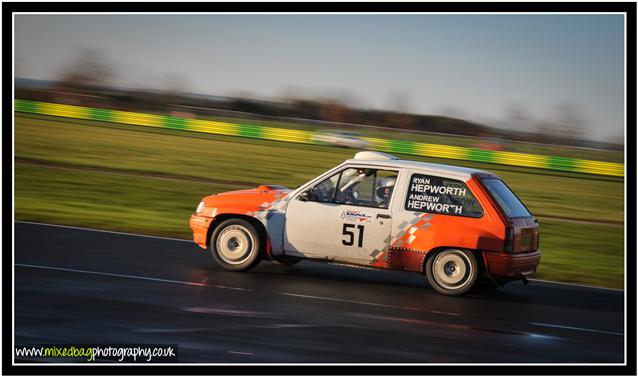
(509, 239)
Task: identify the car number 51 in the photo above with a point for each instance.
(351, 236)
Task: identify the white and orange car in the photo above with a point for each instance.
(452, 224)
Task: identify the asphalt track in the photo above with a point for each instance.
(86, 286)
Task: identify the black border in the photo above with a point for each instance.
(630, 179)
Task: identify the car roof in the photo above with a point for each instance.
(386, 160)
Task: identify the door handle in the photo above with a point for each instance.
(383, 216)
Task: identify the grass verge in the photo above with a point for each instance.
(89, 195)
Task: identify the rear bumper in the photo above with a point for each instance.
(512, 265)
(199, 226)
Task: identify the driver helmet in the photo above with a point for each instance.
(383, 192)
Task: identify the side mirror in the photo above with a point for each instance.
(304, 196)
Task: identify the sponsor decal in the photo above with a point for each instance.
(353, 215)
(440, 195)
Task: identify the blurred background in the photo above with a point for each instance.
(477, 85)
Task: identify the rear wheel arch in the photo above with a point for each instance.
(478, 254)
(484, 279)
(468, 260)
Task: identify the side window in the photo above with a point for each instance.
(357, 186)
(324, 191)
(350, 184)
(384, 187)
(446, 196)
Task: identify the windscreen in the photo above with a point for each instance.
(506, 199)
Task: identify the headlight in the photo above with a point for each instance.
(200, 207)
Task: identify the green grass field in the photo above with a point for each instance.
(150, 180)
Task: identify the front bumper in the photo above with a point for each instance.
(199, 226)
(512, 265)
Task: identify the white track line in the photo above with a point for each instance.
(444, 313)
(112, 275)
(349, 301)
(576, 285)
(286, 294)
(103, 231)
(233, 288)
(575, 328)
(183, 240)
(241, 353)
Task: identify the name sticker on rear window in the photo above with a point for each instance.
(441, 195)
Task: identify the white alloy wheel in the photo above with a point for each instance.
(452, 271)
(235, 244)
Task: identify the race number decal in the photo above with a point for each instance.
(349, 233)
(441, 195)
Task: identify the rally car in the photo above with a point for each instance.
(452, 224)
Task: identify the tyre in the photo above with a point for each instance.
(235, 245)
(452, 272)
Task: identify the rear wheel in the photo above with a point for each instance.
(235, 245)
(452, 272)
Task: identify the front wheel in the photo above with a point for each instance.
(235, 245)
(452, 272)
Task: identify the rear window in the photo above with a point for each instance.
(506, 199)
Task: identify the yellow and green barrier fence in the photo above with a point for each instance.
(300, 136)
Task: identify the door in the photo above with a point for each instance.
(345, 217)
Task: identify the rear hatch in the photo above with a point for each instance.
(522, 233)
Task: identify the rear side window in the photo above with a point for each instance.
(427, 193)
(505, 198)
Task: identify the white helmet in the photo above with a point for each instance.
(384, 188)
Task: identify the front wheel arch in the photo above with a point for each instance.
(259, 226)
